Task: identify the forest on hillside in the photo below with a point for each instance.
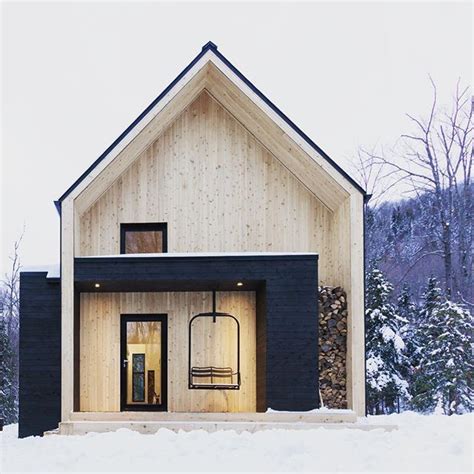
(402, 239)
(419, 264)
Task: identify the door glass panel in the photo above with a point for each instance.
(138, 377)
(144, 363)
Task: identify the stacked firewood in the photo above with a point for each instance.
(332, 346)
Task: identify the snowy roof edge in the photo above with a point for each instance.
(205, 254)
(53, 271)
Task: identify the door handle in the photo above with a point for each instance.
(124, 362)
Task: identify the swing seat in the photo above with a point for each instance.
(212, 372)
(196, 374)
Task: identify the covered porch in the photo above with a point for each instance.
(273, 297)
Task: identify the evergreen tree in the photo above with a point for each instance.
(432, 299)
(385, 346)
(420, 388)
(409, 317)
(406, 309)
(445, 373)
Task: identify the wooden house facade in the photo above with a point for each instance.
(191, 255)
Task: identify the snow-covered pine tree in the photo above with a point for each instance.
(385, 346)
(445, 374)
(408, 311)
(432, 299)
(420, 389)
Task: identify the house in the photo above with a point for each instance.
(192, 251)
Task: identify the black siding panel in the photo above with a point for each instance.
(291, 342)
(40, 354)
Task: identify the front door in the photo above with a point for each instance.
(144, 355)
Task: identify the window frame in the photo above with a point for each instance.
(144, 227)
(124, 367)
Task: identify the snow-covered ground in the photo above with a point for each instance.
(422, 443)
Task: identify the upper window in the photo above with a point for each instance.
(143, 238)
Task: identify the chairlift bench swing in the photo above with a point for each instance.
(213, 372)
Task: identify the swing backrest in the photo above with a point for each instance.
(213, 371)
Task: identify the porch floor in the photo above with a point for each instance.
(151, 422)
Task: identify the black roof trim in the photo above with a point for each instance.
(210, 46)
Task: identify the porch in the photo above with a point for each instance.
(151, 422)
(273, 298)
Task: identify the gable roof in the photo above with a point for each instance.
(212, 48)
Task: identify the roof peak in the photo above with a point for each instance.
(209, 45)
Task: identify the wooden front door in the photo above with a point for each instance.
(144, 355)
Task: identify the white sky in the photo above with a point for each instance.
(75, 75)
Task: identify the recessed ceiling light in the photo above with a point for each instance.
(239, 283)
(97, 285)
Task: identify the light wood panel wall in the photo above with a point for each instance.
(217, 187)
(317, 174)
(100, 348)
(348, 271)
(220, 189)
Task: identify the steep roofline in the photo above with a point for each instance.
(210, 46)
(288, 120)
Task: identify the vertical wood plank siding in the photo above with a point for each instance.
(100, 357)
(218, 188)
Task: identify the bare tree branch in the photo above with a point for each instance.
(435, 159)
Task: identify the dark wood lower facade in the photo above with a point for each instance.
(40, 354)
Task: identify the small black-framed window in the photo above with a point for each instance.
(144, 238)
(138, 377)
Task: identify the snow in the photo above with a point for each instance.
(52, 271)
(373, 364)
(387, 333)
(323, 410)
(203, 254)
(433, 443)
(398, 343)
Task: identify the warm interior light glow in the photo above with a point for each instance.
(97, 285)
(239, 283)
